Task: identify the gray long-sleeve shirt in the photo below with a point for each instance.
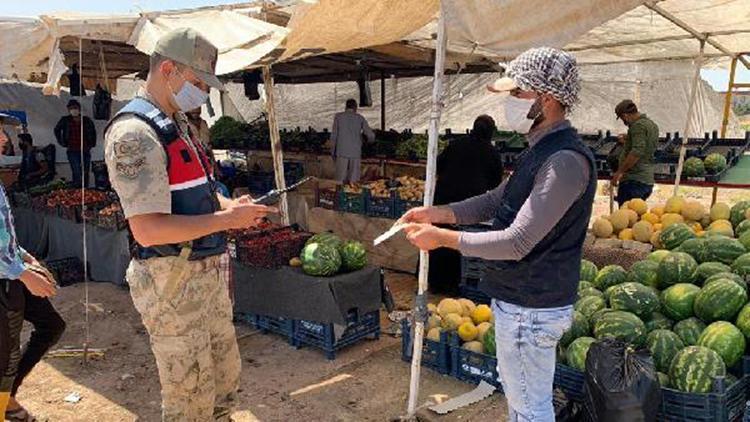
(346, 134)
(561, 180)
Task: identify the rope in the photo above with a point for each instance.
(86, 328)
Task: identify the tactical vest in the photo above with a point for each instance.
(548, 276)
(191, 183)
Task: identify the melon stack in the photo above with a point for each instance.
(474, 324)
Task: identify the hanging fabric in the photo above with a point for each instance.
(76, 83)
(102, 103)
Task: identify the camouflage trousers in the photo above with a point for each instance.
(192, 337)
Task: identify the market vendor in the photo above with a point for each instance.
(33, 162)
(349, 128)
(540, 215)
(78, 141)
(634, 177)
(457, 181)
(162, 175)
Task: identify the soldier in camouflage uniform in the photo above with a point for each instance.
(165, 183)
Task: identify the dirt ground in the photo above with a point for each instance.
(366, 382)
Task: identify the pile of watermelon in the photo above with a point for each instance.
(325, 255)
(688, 306)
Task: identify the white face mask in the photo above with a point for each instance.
(75, 113)
(516, 111)
(190, 96)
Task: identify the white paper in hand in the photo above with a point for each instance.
(387, 235)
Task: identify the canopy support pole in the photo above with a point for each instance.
(382, 102)
(429, 192)
(276, 152)
(728, 98)
(691, 107)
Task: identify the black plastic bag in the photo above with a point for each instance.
(102, 103)
(620, 383)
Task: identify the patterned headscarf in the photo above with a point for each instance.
(549, 71)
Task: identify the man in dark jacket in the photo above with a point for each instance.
(457, 181)
(78, 143)
(540, 216)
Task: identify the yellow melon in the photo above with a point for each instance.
(625, 205)
(449, 306)
(638, 205)
(482, 313)
(657, 226)
(658, 210)
(655, 239)
(693, 210)
(706, 220)
(650, 217)
(642, 231)
(602, 228)
(720, 211)
(468, 306)
(432, 308)
(696, 227)
(620, 219)
(747, 214)
(674, 205)
(632, 217)
(474, 346)
(451, 322)
(434, 321)
(467, 331)
(670, 218)
(722, 227)
(434, 334)
(482, 328)
(625, 234)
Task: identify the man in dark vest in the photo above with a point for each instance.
(165, 182)
(540, 215)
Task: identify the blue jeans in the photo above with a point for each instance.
(526, 340)
(74, 158)
(631, 189)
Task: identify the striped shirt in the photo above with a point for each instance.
(11, 254)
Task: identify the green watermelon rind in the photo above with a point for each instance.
(741, 265)
(726, 340)
(737, 212)
(694, 368)
(353, 256)
(743, 321)
(719, 300)
(588, 270)
(634, 297)
(694, 167)
(579, 327)
(723, 249)
(689, 330)
(708, 269)
(673, 236)
(678, 301)
(621, 325)
(663, 345)
(609, 276)
(658, 321)
(590, 304)
(326, 238)
(319, 259)
(575, 353)
(742, 228)
(675, 268)
(644, 272)
(715, 163)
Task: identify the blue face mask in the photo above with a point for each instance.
(190, 96)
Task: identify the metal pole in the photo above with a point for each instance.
(84, 175)
(691, 107)
(382, 102)
(429, 192)
(728, 98)
(276, 152)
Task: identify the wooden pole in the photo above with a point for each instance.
(691, 107)
(382, 102)
(276, 152)
(728, 98)
(429, 192)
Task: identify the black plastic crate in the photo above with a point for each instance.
(323, 336)
(326, 198)
(380, 207)
(435, 354)
(268, 324)
(570, 381)
(67, 271)
(350, 202)
(473, 367)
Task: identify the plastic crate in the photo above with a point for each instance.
(113, 222)
(325, 198)
(268, 324)
(323, 336)
(350, 202)
(570, 381)
(66, 271)
(473, 367)
(380, 207)
(402, 206)
(436, 355)
(469, 289)
(273, 253)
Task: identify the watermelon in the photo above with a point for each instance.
(353, 256)
(489, 341)
(743, 321)
(644, 272)
(589, 292)
(678, 301)
(657, 321)
(677, 267)
(694, 167)
(708, 269)
(689, 330)
(611, 275)
(737, 212)
(590, 304)
(719, 300)
(663, 379)
(673, 236)
(621, 325)
(576, 353)
(634, 297)
(694, 368)
(723, 249)
(579, 328)
(744, 238)
(741, 265)
(715, 163)
(730, 380)
(657, 256)
(320, 259)
(696, 248)
(729, 276)
(663, 345)
(582, 285)
(742, 228)
(608, 292)
(588, 270)
(325, 238)
(598, 314)
(726, 340)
